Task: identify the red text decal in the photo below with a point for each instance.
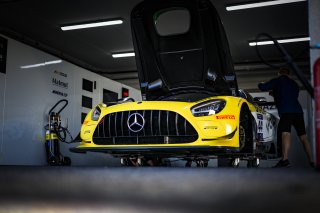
(225, 117)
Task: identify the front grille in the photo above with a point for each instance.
(160, 127)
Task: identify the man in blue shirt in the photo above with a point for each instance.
(286, 92)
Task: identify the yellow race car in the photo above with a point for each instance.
(191, 106)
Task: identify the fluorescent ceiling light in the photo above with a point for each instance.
(89, 25)
(279, 41)
(261, 4)
(120, 55)
(41, 64)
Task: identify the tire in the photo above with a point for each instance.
(188, 163)
(166, 162)
(54, 161)
(66, 161)
(246, 131)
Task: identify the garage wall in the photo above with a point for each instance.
(2, 89)
(27, 95)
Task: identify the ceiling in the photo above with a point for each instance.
(37, 23)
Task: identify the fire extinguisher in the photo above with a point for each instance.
(316, 78)
(53, 136)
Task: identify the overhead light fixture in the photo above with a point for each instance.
(41, 64)
(121, 55)
(92, 24)
(279, 41)
(260, 4)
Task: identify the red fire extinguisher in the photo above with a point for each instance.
(316, 78)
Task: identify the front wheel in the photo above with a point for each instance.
(246, 131)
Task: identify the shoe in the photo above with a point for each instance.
(312, 164)
(282, 164)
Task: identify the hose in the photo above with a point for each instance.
(279, 48)
(289, 61)
(62, 133)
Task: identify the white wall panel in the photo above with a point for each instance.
(2, 103)
(28, 97)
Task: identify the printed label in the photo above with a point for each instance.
(226, 117)
(59, 83)
(60, 73)
(59, 93)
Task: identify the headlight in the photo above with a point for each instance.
(96, 114)
(208, 108)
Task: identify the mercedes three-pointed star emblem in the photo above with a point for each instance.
(135, 122)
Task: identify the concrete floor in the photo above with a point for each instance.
(126, 189)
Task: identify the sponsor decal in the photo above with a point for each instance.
(226, 117)
(260, 117)
(269, 124)
(260, 110)
(210, 127)
(59, 83)
(60, 73)
(63, 94)
(89, 124)
(260, 136)
(260, 126)
(269, 107)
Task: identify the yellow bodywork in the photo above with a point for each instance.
(217, 130)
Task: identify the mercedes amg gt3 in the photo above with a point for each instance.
(191, 105)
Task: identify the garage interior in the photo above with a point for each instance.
(95, 182)
(93, 48)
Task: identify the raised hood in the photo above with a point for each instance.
(181, 47)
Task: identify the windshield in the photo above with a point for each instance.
(188, 96)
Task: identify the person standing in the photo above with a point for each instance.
(286, 92)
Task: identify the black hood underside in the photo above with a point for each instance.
(197, 58)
